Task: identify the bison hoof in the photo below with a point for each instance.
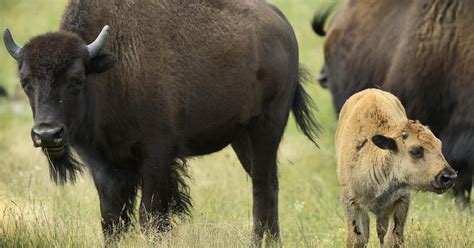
(463, 203)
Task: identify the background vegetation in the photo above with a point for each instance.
(35, 212)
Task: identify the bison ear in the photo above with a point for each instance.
(101, 63)
(385, 142)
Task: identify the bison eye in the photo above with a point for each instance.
(405, 135)
(26, 84)
(75, 83)
(417, 152)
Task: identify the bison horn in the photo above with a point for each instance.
(99, 42)
(13, 49)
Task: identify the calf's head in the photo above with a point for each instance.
(416, 157)
(54, 71)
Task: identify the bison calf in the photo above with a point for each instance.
(381, 155)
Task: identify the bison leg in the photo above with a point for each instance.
(242, 148)
(396, 224)
(463, 186)
(257, 151)
(163, 192)
(156, 195)
(117, 190)
(265, 192)
(357, 223)
(382, 225)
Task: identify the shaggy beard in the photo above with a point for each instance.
(64, 169)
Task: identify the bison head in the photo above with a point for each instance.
(54, 72)
(417, 158)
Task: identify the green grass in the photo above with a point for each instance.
(35, 212)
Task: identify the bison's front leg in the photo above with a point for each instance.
(117, 190)
(156, 196)
(163, 192)
(382, 225)
(463, 185)
(396, 225)
(357, 223)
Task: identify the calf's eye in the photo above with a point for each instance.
(405, 135)
(416, 152)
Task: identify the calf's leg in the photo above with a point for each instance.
(396, 224)
(357, 223)
(382, 225)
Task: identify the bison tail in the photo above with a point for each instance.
(319, 20)
(302, 110)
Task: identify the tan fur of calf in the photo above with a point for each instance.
(381, 154)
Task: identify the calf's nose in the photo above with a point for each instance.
(446, 178)
(47, 135)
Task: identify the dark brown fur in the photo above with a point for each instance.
(190, 78)
(3, 92)
(422, 52)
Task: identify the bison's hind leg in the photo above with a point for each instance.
(243, 150)
(257, 151)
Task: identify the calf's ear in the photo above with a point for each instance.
(101, 63)
(384, 142)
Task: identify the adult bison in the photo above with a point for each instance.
(173, 79)
(422, 51)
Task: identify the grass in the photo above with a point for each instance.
(36, 213)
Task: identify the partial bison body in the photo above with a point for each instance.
(421, 51)
(381, 155)
(173, 79)
(3, 92)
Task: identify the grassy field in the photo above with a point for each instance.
(36, 213)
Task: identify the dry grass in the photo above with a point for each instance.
(36, 213)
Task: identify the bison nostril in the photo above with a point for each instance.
(58, 133)
(47, 135)
(35, 137)
(446, 178)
